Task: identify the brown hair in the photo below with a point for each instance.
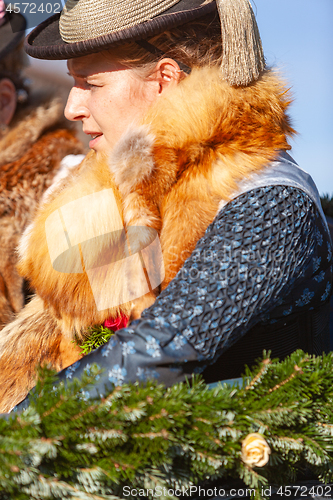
(196, 44)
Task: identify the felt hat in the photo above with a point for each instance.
(89, 26)
(12, 30)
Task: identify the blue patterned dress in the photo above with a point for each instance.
(266, 260)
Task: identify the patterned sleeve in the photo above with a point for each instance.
(258, 249)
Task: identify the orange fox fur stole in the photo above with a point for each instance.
(168, 173)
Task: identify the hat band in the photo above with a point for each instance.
(80, 20)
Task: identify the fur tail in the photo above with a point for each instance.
(32, 339)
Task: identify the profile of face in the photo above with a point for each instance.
(8, 101)
(108, 97)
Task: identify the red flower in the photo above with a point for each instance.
(115, 324)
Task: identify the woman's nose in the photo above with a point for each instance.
(76, 107)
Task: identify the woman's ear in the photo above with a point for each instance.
(168, 74)
(8, 101)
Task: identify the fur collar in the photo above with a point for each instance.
(170, 173)
(193, 148)
(201, 121)
(28, 127)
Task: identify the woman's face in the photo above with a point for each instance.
(106, 98)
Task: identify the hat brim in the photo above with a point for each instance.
(11, 33)
(45, 42)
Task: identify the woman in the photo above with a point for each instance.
(195, 133)
(34, 138)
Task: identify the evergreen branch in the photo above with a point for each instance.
(262, 371)
(328, 428)
(56, 407)
(152, 435)
(297, 371)
(85, 412)
(94, 338)
(65, 446)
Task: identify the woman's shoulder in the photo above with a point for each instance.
(284, 226)
(281, 211)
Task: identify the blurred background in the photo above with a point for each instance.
(53, 75)
(297, 37)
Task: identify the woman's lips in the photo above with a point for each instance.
(95, 139)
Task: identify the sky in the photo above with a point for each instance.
(297, 37)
